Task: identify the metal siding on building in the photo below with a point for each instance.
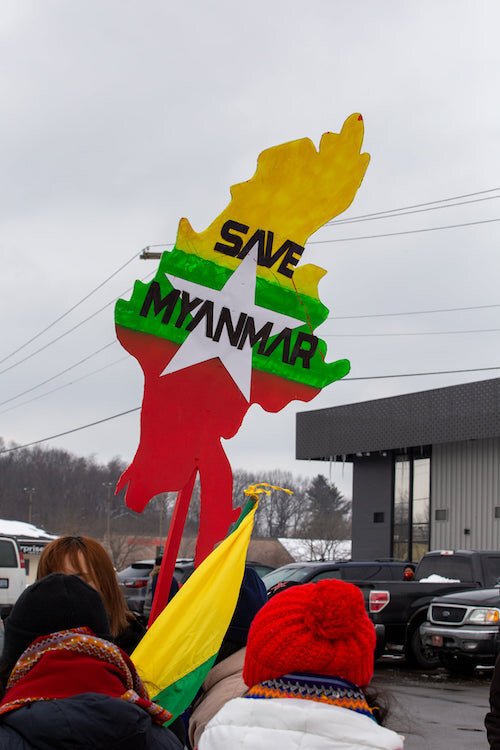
(372, 493)
(441, 415)
(465, 479)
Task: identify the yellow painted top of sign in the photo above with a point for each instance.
(294, 191)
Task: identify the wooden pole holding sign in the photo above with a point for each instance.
(172, 545)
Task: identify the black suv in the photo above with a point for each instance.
(183, 569)
(310, 572)
(133, 582)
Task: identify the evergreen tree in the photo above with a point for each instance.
(327, 511)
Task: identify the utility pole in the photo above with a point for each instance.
(109, 486)
(162, 501)
(148, 254)
(31, 491)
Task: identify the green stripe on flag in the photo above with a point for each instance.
(176, 697)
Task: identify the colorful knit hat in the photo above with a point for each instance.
(318, 628)
(56, 602)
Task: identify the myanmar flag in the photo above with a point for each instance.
(179, 649)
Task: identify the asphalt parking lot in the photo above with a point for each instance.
(433, 710)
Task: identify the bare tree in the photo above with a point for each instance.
(325, 549)
(123, 548)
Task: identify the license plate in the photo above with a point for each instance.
(437, 640)
(4, 583)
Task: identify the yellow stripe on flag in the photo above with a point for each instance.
(189, 631)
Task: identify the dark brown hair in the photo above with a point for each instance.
(379, 703)
(100, 573)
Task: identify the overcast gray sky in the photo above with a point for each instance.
(120, 117)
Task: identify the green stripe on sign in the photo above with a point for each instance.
(273, 296)
(180, 694)
(315, 373)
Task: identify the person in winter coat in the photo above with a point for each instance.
(225, 680)
(65, 685)
(309, 655)
(492, 719)
(85, 557)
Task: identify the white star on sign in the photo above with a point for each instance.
(237, 294)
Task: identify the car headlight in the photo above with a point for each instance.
(484, 615)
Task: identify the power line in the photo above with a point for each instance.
(407, 213)
(376, 236)
(419, 374)
(68, 432)
(64, 385)
(388, 234)
(70, 330)
(137, 408)
(414, 205)
(410, 333)
(58, 374)
(412, 312)
(98, 351)
(389, 211)
(398, 234)
(58, 338)
(314, 242)
(77, 304)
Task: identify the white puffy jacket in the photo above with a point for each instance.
(290, 724)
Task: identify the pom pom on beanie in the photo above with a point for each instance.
(332, 616)
(319, 628)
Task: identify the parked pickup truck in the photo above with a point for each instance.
(462, 630)
(399, 609)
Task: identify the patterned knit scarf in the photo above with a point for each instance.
(330, 690)
(71, 662)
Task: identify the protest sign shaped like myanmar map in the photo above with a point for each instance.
(229, 320)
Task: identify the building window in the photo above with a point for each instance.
(401, 528)
(411, 527)
(497, 511)
(441, 514)
(421, 506)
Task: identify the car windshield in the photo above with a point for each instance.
(297, 573)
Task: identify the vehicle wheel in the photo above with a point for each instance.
(457, 665)
(418, 655)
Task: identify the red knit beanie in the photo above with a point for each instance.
(320, 628)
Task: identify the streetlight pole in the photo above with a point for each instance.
(30, 491)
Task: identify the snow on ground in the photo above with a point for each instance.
(317, 549)
(22, 529)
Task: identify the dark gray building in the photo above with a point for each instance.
(426, 467)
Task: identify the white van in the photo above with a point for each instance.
(12, 573)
